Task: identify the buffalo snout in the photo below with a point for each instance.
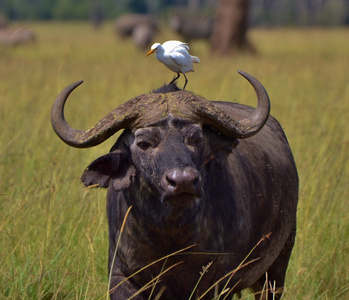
(177, 181)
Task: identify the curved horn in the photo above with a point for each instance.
(121, 117)
(146, 108)
(261, 114)
(219, 119)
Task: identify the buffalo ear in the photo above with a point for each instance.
(112, 166)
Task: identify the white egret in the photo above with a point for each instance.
(175, 56)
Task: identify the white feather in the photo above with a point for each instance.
(175, 56)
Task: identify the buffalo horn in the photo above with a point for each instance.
(148, 108)
(121, 117)
(221, 121)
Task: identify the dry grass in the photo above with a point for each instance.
(53, 233)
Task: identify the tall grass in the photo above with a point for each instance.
(53, 233)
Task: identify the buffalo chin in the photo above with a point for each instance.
(183, 199)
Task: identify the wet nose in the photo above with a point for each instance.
(178, 181)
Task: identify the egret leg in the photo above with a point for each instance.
(186, 81)
(174, 79)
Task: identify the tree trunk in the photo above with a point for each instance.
(230, 30)
(194, 4)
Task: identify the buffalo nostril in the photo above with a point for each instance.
(190, 176)
(171, 182)
(182, 181)
(173, 178)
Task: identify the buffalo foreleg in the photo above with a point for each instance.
(270, 285)
(122, 289)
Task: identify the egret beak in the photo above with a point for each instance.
(150, 52)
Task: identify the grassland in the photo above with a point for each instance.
(53, 233)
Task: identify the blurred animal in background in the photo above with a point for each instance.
(140, 28)
(142, 36)
(191, 26)
(12, 36)
(175, 56)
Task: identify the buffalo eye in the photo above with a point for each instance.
(194, 138)
(143, 145)
(146, 138)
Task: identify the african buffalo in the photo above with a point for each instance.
(18, 35)
(202, 195)
(191, 26)
(140, 27)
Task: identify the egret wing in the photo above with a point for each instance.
(184, 45)
(172, 45)
(179, 58)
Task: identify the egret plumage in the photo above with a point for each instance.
(175, 56)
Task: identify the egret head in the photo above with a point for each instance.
(153, 48)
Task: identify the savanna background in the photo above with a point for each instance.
(53, 232)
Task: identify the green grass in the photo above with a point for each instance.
(53, 233)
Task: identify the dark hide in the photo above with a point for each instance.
(191, 187)
(167, 88)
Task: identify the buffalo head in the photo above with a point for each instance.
(162, 151)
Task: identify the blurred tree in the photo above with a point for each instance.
(137, 6)
(3, 21)
(263, 12)
(71, 9)
(96, 14)
(194, 4)
(230, 29)
(299, 12)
